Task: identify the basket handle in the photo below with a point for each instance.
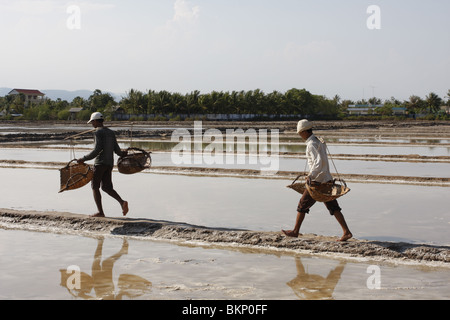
(137, 149)
(301, 175)
(71, 162)
(341, 181)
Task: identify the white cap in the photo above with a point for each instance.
(304, 125)
(96, 116)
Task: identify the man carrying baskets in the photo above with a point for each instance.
(105, 147)
(319, 174)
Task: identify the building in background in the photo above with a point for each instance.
(31, 96)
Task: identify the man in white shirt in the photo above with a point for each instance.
(316, 154)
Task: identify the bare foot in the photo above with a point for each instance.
(290, 233)
(98, 215)
(125, 208)
(346, 237)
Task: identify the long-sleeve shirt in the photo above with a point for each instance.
(316, 153)
(105, 147)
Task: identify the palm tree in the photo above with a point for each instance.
(134, 101)
(415, 104)
(205, 103)
(274, 103)
(98, 101)
(433, 102)
(79, 102)
(234, 102)
(192, 102)
(178, 103)
(219, 102)
(299, 102)
(375, 101)
(163, 102)
(150, 98)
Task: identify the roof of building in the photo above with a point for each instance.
(28, 92)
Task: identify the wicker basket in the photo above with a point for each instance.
(135, 160)
(75, 175)
(321, 192)
(298, 186)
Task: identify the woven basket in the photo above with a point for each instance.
(75, 175)
(136, 160)
(297, 186)
(321, 192)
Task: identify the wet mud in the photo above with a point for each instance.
(60, 222)
(37, 137)
(286, 128)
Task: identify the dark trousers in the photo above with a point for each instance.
(102, 177)
(306, 202)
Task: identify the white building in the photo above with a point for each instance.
(31, 96)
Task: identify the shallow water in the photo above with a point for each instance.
(431, 151)
(373, 211)
(428, 169)
(298, 147)
(116, 268)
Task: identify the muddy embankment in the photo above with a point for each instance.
(159, 129)
(59, 136)
(68, 223)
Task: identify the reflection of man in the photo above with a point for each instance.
(102, 278)
(314, 287)
(102, 270)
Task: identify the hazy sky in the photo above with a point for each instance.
(324, 46)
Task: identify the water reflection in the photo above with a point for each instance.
(309, 286)
(101, 279)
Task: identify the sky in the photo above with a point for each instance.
(328, 47)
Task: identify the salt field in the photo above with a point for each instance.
(151, 268)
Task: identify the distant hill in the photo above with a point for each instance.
(62, 94)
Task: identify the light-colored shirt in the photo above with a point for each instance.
(316, 153)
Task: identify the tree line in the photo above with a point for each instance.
(256, 102)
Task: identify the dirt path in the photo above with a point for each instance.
(59, 222)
